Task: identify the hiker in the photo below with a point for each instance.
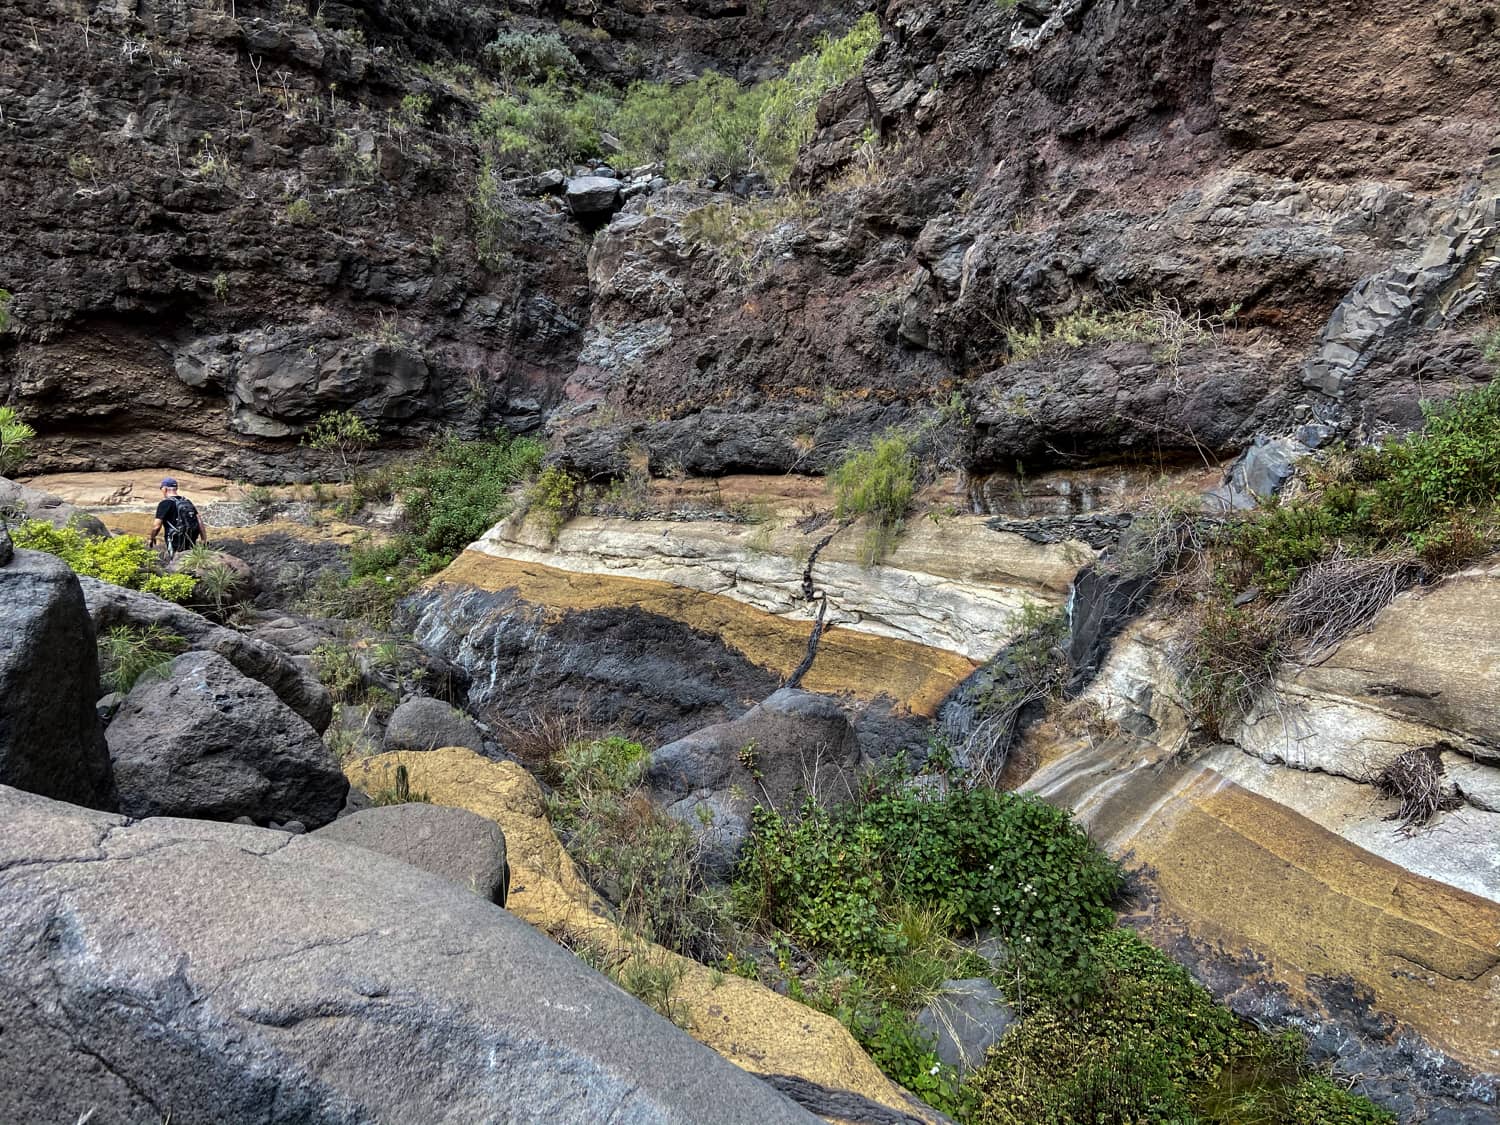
(179, 518)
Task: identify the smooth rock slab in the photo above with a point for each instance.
(205, 741)
(49, 680)
(427, 724)
(967, 1018)
(458, 845)
(218, 973)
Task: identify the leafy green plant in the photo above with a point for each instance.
(126, 653)
(877, 483)
(554, 497)
(1152, 1046)
(6, 299)
(123, 560)
(983, 857)
(344, 434)
(457, 490)
(15, 435)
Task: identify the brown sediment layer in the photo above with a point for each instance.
(1245, 873)
(848, 662)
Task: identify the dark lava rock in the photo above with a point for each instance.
(427, 724)
(298, 688)
(793, 745)
(206, 741)
(461, 846)
(49, 680)
(592, 195)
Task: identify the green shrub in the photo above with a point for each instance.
(554, 496)
(878, 484)
(127, 653)
(1152, 1046)
(457, 490)
(837, 880)
(344, 434)
(15, 435)
(122, 560)
(790, 104)
(522, 58)
(539, 126)
(5, 302)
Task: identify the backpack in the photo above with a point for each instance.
(183, 529)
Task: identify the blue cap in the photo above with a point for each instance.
(169, 482)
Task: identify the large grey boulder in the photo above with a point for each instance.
(966, 1018)
(293, 684)
(200, 972)
(463, 847)
(49, 679)
(34, 504)
(205, 741)
(427, 724)
(592, 195)
(791, 746)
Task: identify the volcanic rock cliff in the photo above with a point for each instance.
(1074, 247)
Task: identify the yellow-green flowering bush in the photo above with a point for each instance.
(123, 560)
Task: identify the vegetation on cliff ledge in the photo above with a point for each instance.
(1317, 562)
(544, 114)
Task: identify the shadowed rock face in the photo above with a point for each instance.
(50, 742)
(214, 972)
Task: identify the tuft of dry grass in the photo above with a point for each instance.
(1416, 779)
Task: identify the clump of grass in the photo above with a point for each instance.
(400, 792)
(1416, 780)
(337, 668)
(640, 859)
(128, 653)
(1162, 323)
(877, 483)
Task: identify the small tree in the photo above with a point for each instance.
(15, 435)
(344, 434)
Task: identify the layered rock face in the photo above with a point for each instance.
(1276, 869)
(228, 225)
(1274, 260)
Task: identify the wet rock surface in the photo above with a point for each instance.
(611, 666)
